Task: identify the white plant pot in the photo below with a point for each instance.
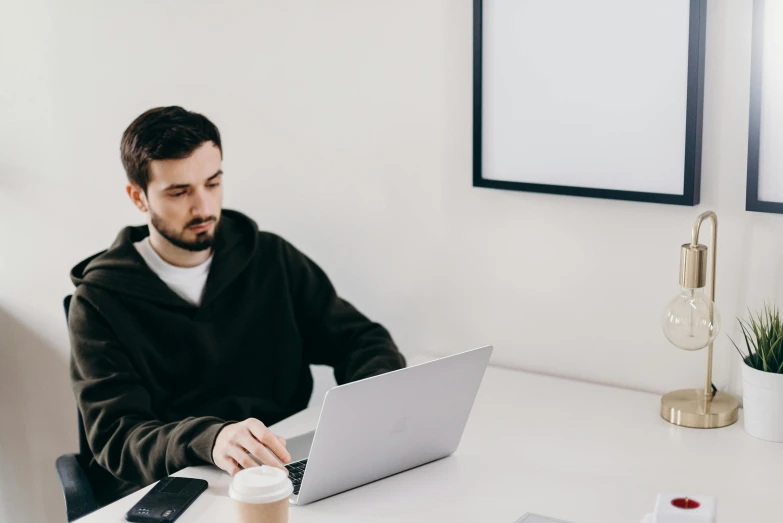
(762, 394)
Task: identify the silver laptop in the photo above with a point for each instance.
(379, 426)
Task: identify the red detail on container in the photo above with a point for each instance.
(686, 503)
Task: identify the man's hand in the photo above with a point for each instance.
(236, 442)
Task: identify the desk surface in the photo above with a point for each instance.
(575, 451)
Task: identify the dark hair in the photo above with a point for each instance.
(163, 133)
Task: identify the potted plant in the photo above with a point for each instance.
(762, 374)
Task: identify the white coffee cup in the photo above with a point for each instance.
(261, 495)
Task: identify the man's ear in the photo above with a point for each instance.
(137, 196)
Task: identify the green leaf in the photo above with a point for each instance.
(763, 333)
(774, 351)
(738, 349)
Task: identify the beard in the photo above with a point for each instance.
(203, 241)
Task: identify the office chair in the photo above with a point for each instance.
(71, 469)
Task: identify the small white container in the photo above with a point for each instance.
(675, 508)
(762, 394)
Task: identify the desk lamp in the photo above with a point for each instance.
(691, 322)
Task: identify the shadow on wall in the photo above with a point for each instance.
(37, 423)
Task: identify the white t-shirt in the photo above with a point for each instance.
(187, 282)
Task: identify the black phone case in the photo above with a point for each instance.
(167, 500)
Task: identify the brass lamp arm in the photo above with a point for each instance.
(711, 280)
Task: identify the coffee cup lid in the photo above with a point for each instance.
(260, 485)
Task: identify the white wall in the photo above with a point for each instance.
(347, 129)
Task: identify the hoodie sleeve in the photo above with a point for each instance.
(122, 430)
(334, 332)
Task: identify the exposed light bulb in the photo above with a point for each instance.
(691, 320)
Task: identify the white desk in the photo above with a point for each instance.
(575, 451)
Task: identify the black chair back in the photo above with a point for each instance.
(72, 469)
(84, 447)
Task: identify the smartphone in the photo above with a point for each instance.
(167, 500)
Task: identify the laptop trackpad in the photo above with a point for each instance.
(299, 446)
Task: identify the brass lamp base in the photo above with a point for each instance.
(691, 408)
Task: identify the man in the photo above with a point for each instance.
(190, 335)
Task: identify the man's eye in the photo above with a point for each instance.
(213, 184)
(176, 194)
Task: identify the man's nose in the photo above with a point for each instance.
(200, 204)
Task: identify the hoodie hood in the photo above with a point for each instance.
(121, 269)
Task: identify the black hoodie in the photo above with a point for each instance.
(156, 378)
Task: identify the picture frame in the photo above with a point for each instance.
(763, 192)
(683, 168)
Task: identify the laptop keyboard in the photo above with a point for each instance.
(295, 473)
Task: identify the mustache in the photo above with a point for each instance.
(199, 221)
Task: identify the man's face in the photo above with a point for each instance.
(185, 198)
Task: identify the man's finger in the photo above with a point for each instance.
(269, 439)
(262, 453)
(243, 458)
(233, 466)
